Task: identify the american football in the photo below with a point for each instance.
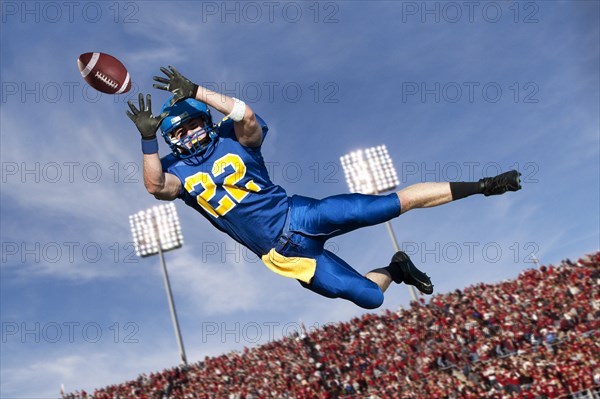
(104, 73)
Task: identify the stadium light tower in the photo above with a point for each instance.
(156, 231)
(371, 171)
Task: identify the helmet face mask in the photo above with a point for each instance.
(191, 135)
(182, 116)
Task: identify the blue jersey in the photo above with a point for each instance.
(232, 189)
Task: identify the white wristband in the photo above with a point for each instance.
(238, 111)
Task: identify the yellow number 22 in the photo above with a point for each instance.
(236, 193)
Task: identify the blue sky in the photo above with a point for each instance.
(456, 92)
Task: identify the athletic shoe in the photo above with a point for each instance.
(507, 181)
(410, 274)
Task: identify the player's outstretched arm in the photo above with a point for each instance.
(247, 129)
(162, 185)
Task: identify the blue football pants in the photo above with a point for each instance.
(312, 222)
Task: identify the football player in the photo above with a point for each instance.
(218, 170)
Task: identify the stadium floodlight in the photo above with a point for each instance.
(158, 224)
(156, 231)
(371, 171)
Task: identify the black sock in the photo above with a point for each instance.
(464, 189)
(395, 273)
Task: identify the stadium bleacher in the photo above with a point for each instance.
(534, 337)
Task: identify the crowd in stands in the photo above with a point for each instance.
(534, 337)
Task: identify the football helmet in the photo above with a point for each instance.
(188, 146)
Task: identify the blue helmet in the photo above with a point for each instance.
(179, 113)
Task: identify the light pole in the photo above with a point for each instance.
(371, 171)
(156, 231)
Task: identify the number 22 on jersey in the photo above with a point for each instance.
(233, 194)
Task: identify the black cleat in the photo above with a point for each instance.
(410, 274)
(507, 181)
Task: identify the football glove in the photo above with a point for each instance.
(176, 83)
(146, 123)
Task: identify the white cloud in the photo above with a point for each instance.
(41, 376)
